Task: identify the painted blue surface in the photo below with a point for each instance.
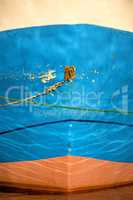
(104, 68)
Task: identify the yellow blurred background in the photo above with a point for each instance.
(25, 13)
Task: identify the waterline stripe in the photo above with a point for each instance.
(64, 121)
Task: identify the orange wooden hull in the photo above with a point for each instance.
(65, 174)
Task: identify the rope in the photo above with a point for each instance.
(70, 107)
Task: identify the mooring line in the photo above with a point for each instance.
(73, 107)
